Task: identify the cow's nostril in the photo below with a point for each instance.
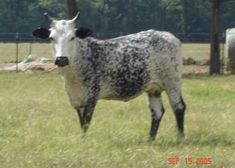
(62, 61)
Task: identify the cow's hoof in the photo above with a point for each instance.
(180, 137)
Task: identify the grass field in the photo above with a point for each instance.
(8, 51)
(39, 128)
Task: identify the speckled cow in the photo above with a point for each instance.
(117, 69)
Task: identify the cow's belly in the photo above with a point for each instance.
(122, 96)
(123, 88)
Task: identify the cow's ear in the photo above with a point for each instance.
(83, 32)
(42, 33)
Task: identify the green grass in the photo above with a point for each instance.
(8, 51)
(196, 51)
(39, 128)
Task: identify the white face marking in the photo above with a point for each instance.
(62, 38)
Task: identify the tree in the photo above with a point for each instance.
(215, 49)
(72, 8)
(173, 20)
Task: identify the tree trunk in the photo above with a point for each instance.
(72, 8)
(185, 16)
(215, 49)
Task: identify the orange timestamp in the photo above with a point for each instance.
(203, 161)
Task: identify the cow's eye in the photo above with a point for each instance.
(72, 38)
(51, 38)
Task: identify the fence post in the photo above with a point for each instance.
(30, 48)
(17, 51)
(215, 48)
(222, 53)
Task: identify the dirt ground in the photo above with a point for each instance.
(195, 70)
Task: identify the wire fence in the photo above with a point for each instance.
(15, 47)
(27, 37)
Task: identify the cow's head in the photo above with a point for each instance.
(63, 34)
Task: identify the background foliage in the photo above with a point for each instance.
(128, 16)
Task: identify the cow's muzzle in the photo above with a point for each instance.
(61, 61)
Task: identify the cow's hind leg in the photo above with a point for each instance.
(178, 106)
(157, 111)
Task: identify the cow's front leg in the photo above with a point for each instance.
(80, 115)
(88, 112)
(85, 112)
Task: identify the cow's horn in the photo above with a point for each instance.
(48, 18)
(76, 17)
